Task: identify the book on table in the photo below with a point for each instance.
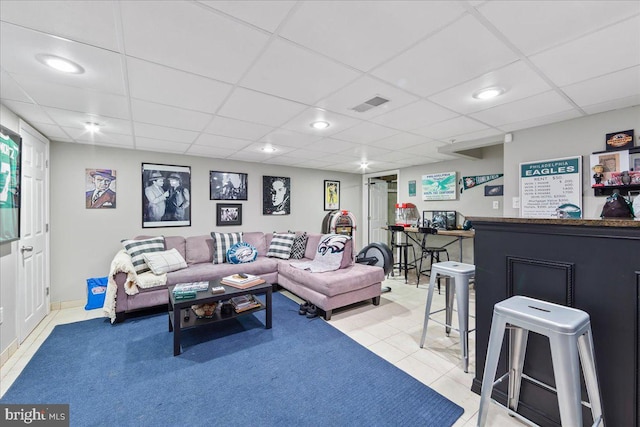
(237, 281)
(244, 302)
(190, 287)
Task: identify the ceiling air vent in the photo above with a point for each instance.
(367, 105)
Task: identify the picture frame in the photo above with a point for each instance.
(100, 188)
(228, 185)
(276, 195)
(493, 190)
(331, 195)
(620, 140)
(10, 184)
(228, 214)
(166, 195)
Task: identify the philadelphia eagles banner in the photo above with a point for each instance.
(472, 181)
(9, 185)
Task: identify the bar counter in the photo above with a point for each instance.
(592, 265)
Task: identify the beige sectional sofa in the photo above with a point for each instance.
(350, 283)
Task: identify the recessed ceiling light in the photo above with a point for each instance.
(268, 149)
(59, 63)
(364, 165)
(320, 125)
(488, 92)
(91, 127)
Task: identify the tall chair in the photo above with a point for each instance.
(403, 251)
(431, 252)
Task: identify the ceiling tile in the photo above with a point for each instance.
(200, 40)
(413, 116)
(330, 145)
(530, 108)
(473, 136)
(365, 33)
(448, 128)
(236, 128)
(9, 89)
(521, 21)
(609, 87)
(541, 120)
(77, 120)
(164, 115)
(215, 152)
(517, 79)
(337, 122)
(53, 132)
(164, 133)
(101, 138)
(461, 51)
(266, 15)
(365, 132)
(400, 141)
(251, 106)
(289, 138)
(221, 142)
(611, 49)
(306, 78)
(174, 87)
(19, 47)
(91, 22)
(160, 145)
(31, 112)
(364, 89)
(615, 104)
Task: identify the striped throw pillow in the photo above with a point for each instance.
(221, 243)
(164, 262)
(136, 249)
(299, 246)
(281, 245)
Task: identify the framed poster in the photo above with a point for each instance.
(331, 195)
(551, 188)
(276, 192)
(166, 195)
(100, 186)
(412, 188)
(228, 214)
(227, 185)
(439, 186)
(10, 158)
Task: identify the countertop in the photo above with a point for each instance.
(609, 222)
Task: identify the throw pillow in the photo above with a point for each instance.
(164, 262)
(136, 249)
(222, 242)
(281, 245)
(241, 252)
(299, 246)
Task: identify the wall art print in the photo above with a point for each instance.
(276, 195)
(227, 185)
(228, 214)
(166, 195)
(331, 195)
(10, 157)
(439, 186)
(100, 189)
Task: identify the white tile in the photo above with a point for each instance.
(165, 115)
(164, 133)
(225, 126)
(365, 132)
(266, 15)
(605, 88)
(160, 145)
(252, 106)
(413, 116)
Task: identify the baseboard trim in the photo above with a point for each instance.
(8, 352)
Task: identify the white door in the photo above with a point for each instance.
(33, 271)
(378, 200)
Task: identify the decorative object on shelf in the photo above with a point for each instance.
(616, 206)
(597, 175)
(100, 186)
(331, 195)
(228, 185)
(228, 214)
(494, 190)
(439, 186)
(10, 159)
(166, 195)
(621, 140)
(204, 311)
(276, 192)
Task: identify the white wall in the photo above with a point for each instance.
(83, 241)
(577, 137)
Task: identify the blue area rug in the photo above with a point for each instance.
(300, 372)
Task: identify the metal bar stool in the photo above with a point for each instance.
(432, 252)
(403, 253)
(461, 274)
(569, 333)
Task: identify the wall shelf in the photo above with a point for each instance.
(622, 189)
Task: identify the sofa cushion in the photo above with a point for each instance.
(332, 283)
(258, 240)
(241, 253)
(136, 249)
(280, 246)
(222, 242)
(198, 249)
(312, 246)
(164, 262)
(177, 242)
(299, 245)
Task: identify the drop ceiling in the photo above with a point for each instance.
(224, 79)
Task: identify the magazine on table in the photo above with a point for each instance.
(244, 283)
(240, 279)
(191, 287)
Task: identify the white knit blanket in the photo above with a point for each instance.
(328, 256)
(122, 264)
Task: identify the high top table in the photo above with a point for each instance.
(459, 235)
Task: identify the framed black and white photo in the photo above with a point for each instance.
(166, 195)
(331, 195)
(276, 193)
(228, 214)
(227, 185)
(10, 159)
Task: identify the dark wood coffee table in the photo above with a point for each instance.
(182, 317)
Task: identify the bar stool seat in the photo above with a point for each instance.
(571, 342)
(461, 273)
(403, 252)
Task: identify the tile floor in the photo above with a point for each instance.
(392, 330)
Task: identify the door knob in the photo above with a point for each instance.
(26, 249)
